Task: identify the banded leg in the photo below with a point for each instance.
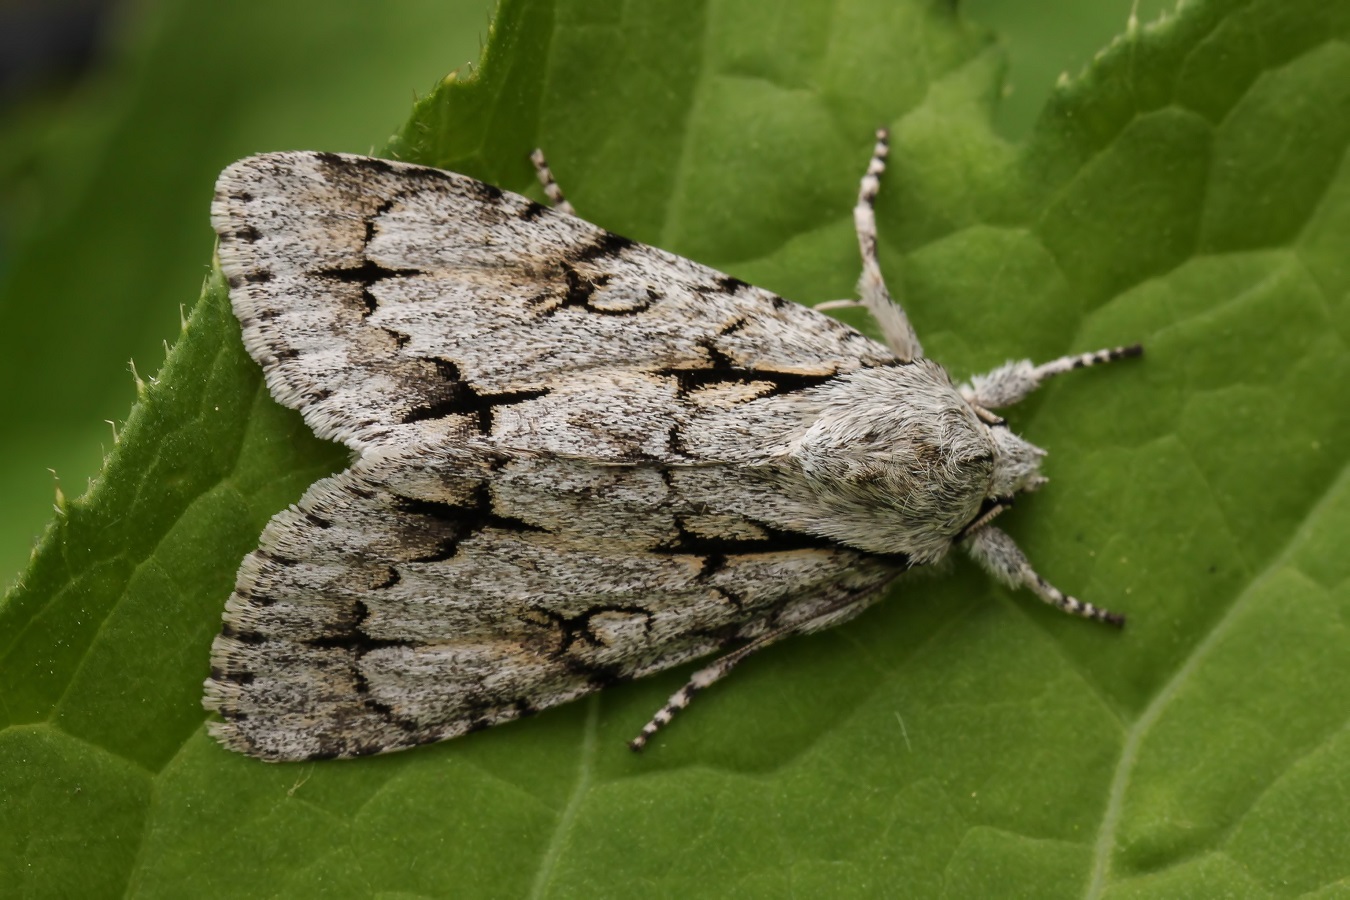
(718, 669)
(996, 552)
(1012, 382)
(551, 189)
(890, 316)
(701, 679)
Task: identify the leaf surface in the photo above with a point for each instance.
(1188, 191)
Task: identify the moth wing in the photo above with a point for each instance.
(371, 622)
(553, 487)
(379, 295)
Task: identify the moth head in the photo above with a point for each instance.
(1017, 464)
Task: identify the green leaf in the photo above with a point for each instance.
(1189, 191)
(102, 234)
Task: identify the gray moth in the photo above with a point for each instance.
(576, 459)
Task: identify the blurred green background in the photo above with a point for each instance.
(116, 117)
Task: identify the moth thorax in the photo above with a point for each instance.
(900, 476)
(1017, 464)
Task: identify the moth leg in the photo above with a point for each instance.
(703, 678)
(551, 189)
(995, 551)
(889, 315)
(1012, 381)
(719, 667)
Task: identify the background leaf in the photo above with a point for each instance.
(102, 235)
(1188, 191)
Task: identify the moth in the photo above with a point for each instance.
(576, 459)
